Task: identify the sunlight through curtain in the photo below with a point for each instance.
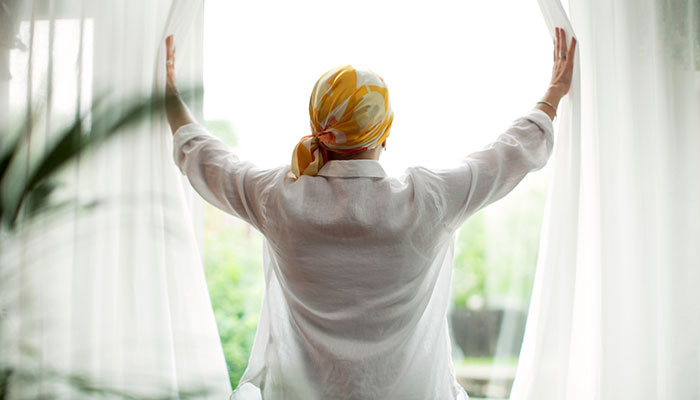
(104, 293)
(614, 312)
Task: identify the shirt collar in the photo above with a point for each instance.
(352, 168)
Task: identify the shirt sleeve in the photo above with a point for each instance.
(489, 174)
(220, 177)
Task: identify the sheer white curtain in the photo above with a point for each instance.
(615, 312)
(110, 297)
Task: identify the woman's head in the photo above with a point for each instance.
(350, 113)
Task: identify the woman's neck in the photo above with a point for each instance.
(371, 154)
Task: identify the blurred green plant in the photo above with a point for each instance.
(13, 378)
(27, 180)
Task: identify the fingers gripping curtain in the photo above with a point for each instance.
(105, 294)
(614, 311)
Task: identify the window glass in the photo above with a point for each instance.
(458, 74)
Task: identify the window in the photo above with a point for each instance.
(51, 92)
(50, 68)
(458, 74)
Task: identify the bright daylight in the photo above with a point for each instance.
(441, 96)
(363, 200)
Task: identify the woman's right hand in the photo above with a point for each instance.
(562, 72)
(563, 67)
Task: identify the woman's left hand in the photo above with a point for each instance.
(170, 64)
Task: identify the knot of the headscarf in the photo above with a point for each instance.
(350, 112)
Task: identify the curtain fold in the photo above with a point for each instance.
(614, 313)
(107, 292)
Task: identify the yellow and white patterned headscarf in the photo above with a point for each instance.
(350, 113)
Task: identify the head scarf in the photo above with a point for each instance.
(350, 113)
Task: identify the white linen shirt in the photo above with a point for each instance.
(357, 264)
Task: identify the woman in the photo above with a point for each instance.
(357, 264)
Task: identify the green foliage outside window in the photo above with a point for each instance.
(496, 251)
(233, 266)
